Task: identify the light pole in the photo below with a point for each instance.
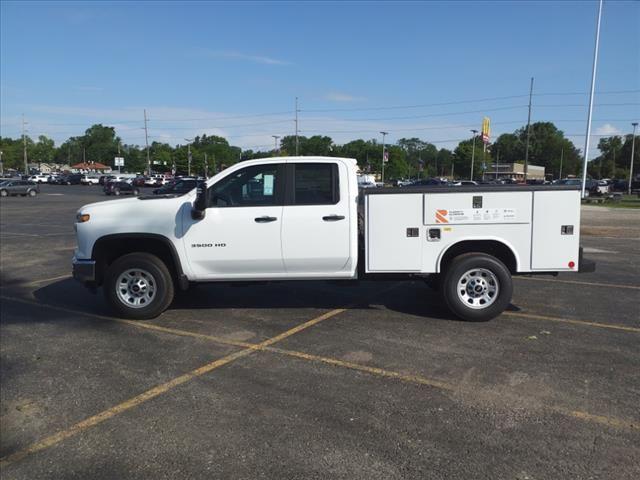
(1, 165)
(276, 138)
(383, 152)
(526, 150)
(590, 112)
(189, 140)
(473, 152)
(633, 151)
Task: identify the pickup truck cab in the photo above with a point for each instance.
(304, 218)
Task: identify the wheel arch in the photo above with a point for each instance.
(499, 249)
(108, 248)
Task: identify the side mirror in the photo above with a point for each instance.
(201, 203)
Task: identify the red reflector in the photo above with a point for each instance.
(572, 264)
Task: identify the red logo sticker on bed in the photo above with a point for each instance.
(441, 216)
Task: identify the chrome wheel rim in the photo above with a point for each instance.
(136, 288)
(478, 288)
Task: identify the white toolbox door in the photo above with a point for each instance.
(395, 236)
(551, 248)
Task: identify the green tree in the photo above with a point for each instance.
(421, 156)
(610, 163)
(44, 150)
(463, 156)
(12, 152)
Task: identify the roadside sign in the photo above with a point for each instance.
(486, 129)
(118, 161)
(386, 156)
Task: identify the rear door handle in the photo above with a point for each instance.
(265, 219)
(333, 218)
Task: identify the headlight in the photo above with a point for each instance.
(82, 217)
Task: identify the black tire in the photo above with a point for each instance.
(32, 193)
(164, 288)
(4, 193)
(116, 191)
(467, 263)
(136, 192)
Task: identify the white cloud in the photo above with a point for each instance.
(342, 97)
(608, 129)
(233, 55)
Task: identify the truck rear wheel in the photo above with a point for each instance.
(138, 286)
(477, 287)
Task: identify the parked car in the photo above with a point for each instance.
(39, 178)
(156, 180)
(89, 180)
(179, 187)
(120, 188)
(404, 183)
(461, 183)
(19, 187)
(139, 181)
(602, 187)
(72, 179)
(428, 182)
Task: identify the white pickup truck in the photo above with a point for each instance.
(304, 218)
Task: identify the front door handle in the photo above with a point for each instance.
(333, 218)
(265, 219)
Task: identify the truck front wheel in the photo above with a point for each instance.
(138, 286)
(477, 287)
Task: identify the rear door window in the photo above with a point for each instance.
(315, 184)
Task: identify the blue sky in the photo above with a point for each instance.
(234, 69)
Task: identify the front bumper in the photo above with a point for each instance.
(84, 270)
(585, 265)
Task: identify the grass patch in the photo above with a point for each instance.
(627, 201)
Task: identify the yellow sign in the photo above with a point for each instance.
(486, 129)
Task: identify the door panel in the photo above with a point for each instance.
(316, 220)
(230, 242)
(240, 235)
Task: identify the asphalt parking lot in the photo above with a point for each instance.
(316, 380)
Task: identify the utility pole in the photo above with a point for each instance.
(436, 163)
(613, 168)
(276, 138)
(383, 152)
(24, 148)
(593, 86)
(561, 159)
(600, 167)
(146, 141)
(526, 150)
(297, 127)
(484, 160)
(473, 153)
(1, 165)
(206, 166)
(497, 162)
(633, 151)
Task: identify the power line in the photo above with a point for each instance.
(458, 102)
